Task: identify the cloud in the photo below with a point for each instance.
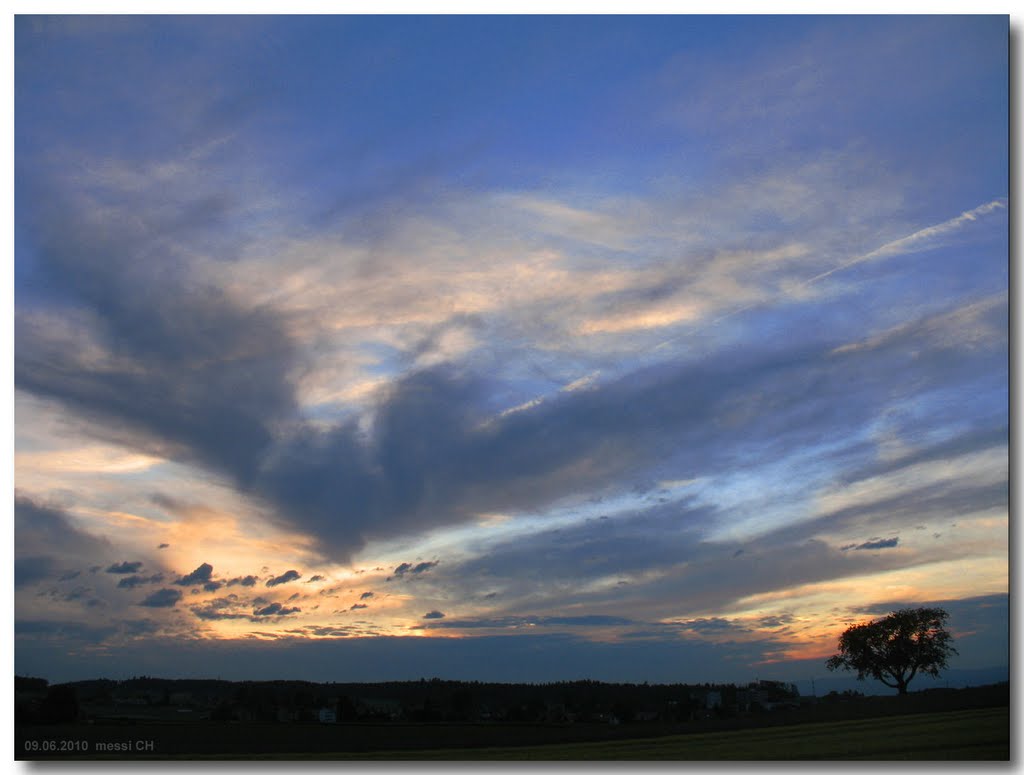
(28, 570)
(200, 575)
(366, 595)
(194, 361)
(357, 606)
(416, 569)
(125, 567)
(284, 578)
(70, 575)
(162, 598)
(316, 577)
(45, 536)
(219, 608)
(274, 609)
(882, 543)
(245, 581)
(130, 582)
(519, 622)
(163, 546)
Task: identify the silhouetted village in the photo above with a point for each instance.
(434, 700)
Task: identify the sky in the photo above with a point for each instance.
(506, 348)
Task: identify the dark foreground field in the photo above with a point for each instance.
(959, 735)
(957, 725)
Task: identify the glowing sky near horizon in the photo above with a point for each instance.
(662, 335)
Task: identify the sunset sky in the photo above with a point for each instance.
(506, 348)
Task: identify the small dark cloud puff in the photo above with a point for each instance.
(317, 577)
(407, 567)
(130, 582)
(125, 567)
(357, 606)
(212, 586)
(163, 546)
(433, 615)
(162, 598)
(275, 609)
(245, 581)
(74, 574)
(366, 596)
(284, 578)
(200, 575)
(885, 543)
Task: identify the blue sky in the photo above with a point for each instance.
(606, 336)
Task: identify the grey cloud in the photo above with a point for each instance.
(219, 608)
(200, 575)
(202, 375)
(357, 606)
(882, 543)
(433, 615)
(125, 567)
(162, 598)
(275, 609)
(366, 596)
(208, 377)
(284, 578)
(245, 581)
(316, 577)
(212, 586)
(130, 582)
(28, 570)
(74, 574)
(407, 567)
(163, 546)
(45, 536)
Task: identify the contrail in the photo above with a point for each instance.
(907, 244)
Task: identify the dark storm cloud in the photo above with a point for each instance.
(200, 575)
(880, 543)
(125, 567)
(45, 536)
(208, 378)
(162, 598)
(130, 582)
(28, 570)
(202, 375)
(284, 578)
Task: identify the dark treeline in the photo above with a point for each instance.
(423, 700)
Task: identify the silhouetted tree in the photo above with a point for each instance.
(897, 647)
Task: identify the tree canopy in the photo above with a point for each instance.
(897, 647)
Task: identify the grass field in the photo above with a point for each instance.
(958, 735)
